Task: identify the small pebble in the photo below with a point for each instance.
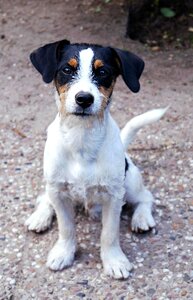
(151, 292)
(2, 237)
(81, 295)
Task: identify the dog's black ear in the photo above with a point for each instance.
(45, 59)
(131, 68)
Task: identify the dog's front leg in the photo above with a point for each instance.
(115, 262)
(62, 254)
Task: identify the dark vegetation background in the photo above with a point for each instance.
(161, 22)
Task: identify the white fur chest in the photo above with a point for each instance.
(84, 160)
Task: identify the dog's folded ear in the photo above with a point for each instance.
(45, 59)
(130, 67)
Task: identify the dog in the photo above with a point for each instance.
(85, 153)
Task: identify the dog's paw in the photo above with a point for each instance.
(61, 256)
(40, 220)
(142, 219)
(116, 264)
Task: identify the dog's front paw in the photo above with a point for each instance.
(61, 256)
(116, 264)
(142, 219)
(40, 220)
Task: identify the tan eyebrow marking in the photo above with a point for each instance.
(98, 63)
(73, 63)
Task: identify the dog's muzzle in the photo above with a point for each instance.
(84, 99)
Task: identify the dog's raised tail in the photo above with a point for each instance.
(132, 127)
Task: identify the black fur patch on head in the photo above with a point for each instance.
(52, 61)
(104, 65)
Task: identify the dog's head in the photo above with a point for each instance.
(85, 74)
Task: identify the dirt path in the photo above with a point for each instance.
(164, 152)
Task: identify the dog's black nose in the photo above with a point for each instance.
(84, 99)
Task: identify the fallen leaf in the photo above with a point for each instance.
(19, 132)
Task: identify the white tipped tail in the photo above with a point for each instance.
(131, 128)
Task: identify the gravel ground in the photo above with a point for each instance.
(162, 259)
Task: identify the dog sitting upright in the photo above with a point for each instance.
(84, 156)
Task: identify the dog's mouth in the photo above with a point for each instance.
(82, 114)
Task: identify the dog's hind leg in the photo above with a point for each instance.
(42, 217)
(140, 198)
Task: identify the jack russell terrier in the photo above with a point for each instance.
(85, 155)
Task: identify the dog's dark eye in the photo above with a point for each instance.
(67, 71)
(101, 72)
